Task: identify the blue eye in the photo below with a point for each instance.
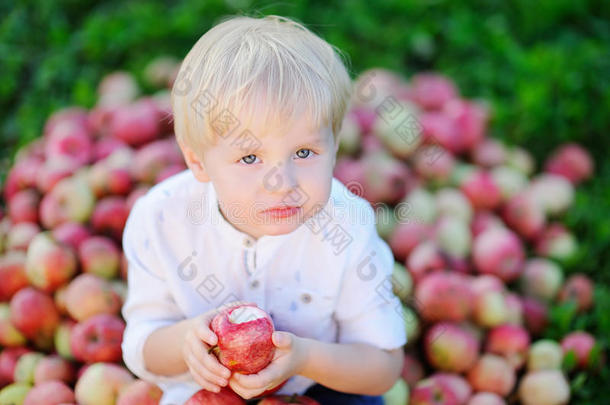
(306, 155)
(248, 159)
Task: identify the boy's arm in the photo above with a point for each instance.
(357, 368)
(149, 309)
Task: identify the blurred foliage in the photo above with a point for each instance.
(544, 66)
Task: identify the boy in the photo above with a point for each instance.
(258, 217)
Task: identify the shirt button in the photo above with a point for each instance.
(247, 242)
(254, 284)
(306, 298)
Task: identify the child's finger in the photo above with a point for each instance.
(196, 371)
(211, 363)
(207, 335)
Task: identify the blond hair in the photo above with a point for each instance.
(243, 58)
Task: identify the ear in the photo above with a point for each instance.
(194, 163)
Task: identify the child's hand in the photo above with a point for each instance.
(203, 365)
(289, 358)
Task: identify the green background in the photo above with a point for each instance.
(544, 65)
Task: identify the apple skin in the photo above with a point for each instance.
(101, 384)
(71, 233)
(451, 347)
(444, 296)
(510, 341)
(54, 367)
(140, 392)
(49, 393)
(224, 397)
(544, 387)
(9, 334)
(8, 361)
(570, 161)
(34, 314)
(492, 373)
(99, 255)
(288, 399)
(431, 392)
(498, 251)
(20, 235)
(544, 354)
(49, 264)
(70, 200)
(88, 295)
(23, 206)
(582, 344)
(109, 216)
(486, 398)
(244, 347)
(12, 274)
(14, 393)
(25, 367)
(98, 339)
(578, 288)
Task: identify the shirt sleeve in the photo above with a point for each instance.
(149, 304)
(367, 310)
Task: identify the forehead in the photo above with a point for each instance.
(258, 131)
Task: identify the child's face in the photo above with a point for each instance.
(293, 167)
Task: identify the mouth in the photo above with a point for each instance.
(281, 211)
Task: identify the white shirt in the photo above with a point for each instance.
(329, 279)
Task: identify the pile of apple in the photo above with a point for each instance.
(461, 212)
(478, 242)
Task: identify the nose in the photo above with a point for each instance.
(280, 179)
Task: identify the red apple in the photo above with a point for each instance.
(53, 171)
(556, 242)
(10, 336)
(484, 220)
(225, 397)
(244, 338)
(20, 235)
(152, 158)
(109, 216)
(524, 215)
(492, 373)
(406, 236)
(99, 255)
(12, 274)
(432, 91)
(69, 140)
(541, 279)
(450, 347)
(71, 233)
(98, 339)
(34, 314)
(8, 361)
(454, 383)
(49, 393)
(49, 264)
(24, 369)
(571, 161)
(535, 314)
(579, 289)
(453, 203)
(426, 258)
(431, 392)
(386, 178)
(412, 370)
(489, 153)
(89, 295)
(288, 399)
(21, 176)
(105, 146)
(499, 252)
(470, 119)
(444, 297)
(54, 367)
(101, 384)
(137, 123)
(481, 189)
(140, 392)
(581, 344)
(70, 200)
(510, 341)
(23, 206)
(74, 115)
